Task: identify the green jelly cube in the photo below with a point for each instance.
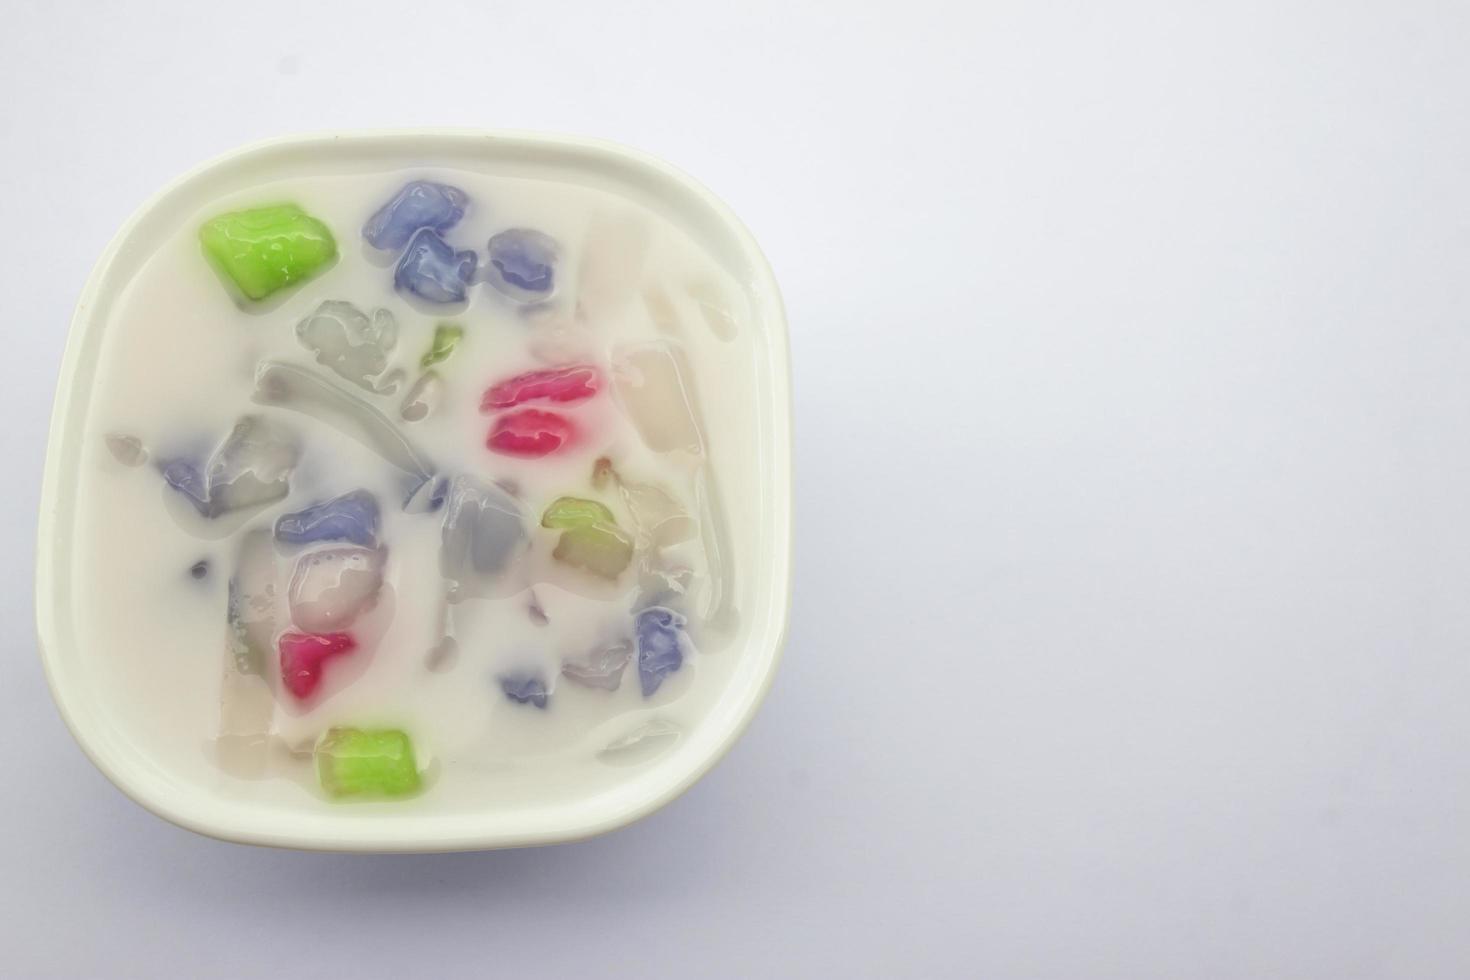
(366, 762)
(446, 338)
(265, 249)
(571, 512)
(602, 549)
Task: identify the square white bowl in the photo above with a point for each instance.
(765, 568)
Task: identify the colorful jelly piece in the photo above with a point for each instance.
(591, 538)
(331, 588)
(265, 249)
(303, 656)
(525, 689)
(431, 270)
(419, 204)
(662, 645)
(529, 433)
(349, 341)
(350, 517)
(569, 512)
(446, 338)
(564, 384)
(366, 762)
(523, 264)
(252, 466)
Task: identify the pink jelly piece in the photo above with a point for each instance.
(529, 433)
(302, 657)
(564, 384)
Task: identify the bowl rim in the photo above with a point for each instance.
(84, 331)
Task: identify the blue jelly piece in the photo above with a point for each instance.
(433, 271)
(523, 264)
(420, 204)
(662, 645)
(186, 477)
(525, 689)
(350, 517)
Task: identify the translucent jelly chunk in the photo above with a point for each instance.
(564, 384)
(652, 385)
(422, 398)
(420, 204)
(525, 689)
(446, 337)
(350, 342)
(350, 517)
(614, 255)
(366, 762)
(251, 467)
(529, 433)
(603, 667)
(304, 391)
(303, 655)
(250, 610)
(127, 450)
(433, 271)
(265, 249)
(591, 538)
(484, 532)
(662, 645)
(661, 521)
(331, 588)
(523, 264)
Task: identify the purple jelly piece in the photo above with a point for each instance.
(662, 645)
(525, 689)
(523, 264)
(420, 204)
(433, 271)
(187, 479)
(350, 517)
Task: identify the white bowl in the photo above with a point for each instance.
(764, 572)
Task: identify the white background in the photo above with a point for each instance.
(1132, 371)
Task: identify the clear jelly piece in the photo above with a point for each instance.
(331, 588)
(250, 609)
(602, 668)
(127, 450)
(652, 385)
(350, 342)
(484, 532)
(251, 467)
(420, 400)
(301, 390)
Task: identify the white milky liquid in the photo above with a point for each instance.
(177, 370)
